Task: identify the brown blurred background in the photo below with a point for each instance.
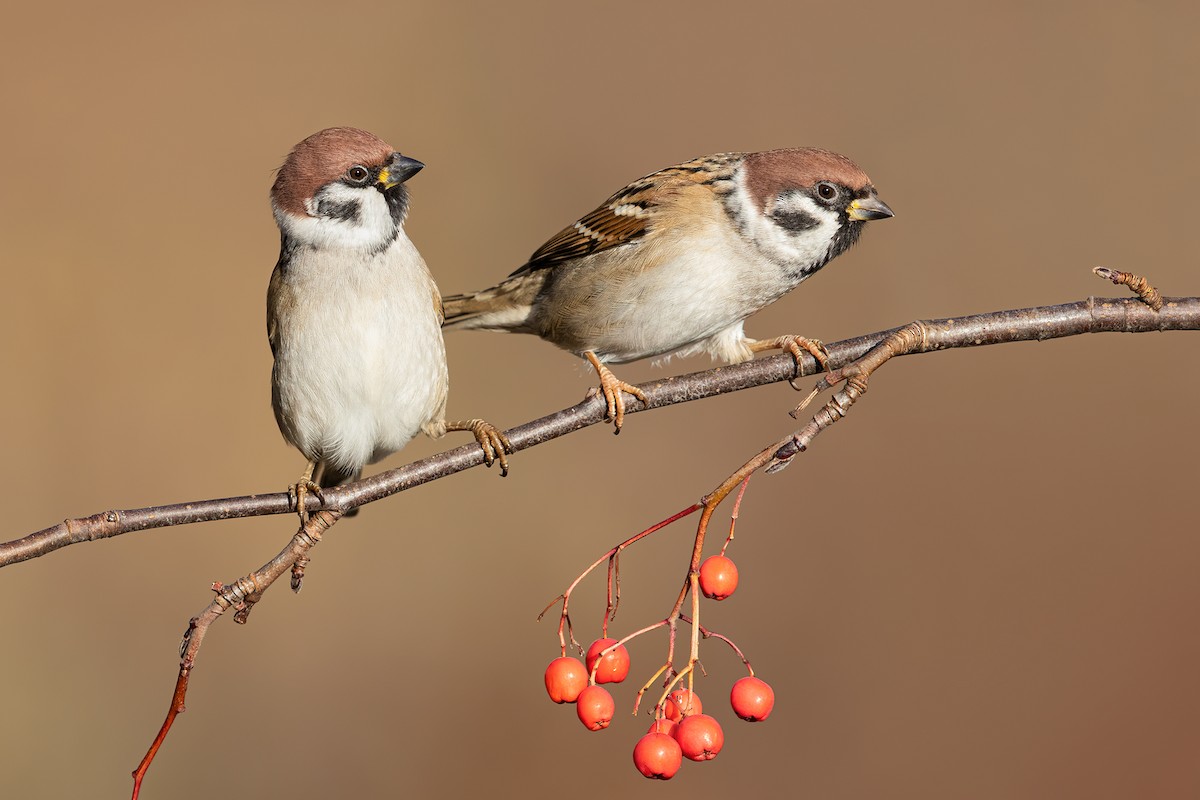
(982, 585)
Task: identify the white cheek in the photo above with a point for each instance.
(374, 229)
(794, 248)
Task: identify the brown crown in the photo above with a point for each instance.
(774, 171)
(321, 158)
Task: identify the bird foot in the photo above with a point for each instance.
(492, 440)
(612, 387)
(299, 490)
(795, 345)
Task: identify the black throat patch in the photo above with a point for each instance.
(397, 200)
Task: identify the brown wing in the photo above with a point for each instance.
(628, 215)
(439, 309)
(275, 299)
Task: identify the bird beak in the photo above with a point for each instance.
(868, 208)
(401, 169)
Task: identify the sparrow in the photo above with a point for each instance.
(353, 315)
(675, 262)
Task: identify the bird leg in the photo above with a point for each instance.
(794, 345)
(494, 443)
(612, 386)
(310, 481)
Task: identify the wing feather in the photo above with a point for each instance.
(628, 216)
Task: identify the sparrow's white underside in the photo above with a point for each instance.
(364, 369)
(748, 271)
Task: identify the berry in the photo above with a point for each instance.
(680, 703)
(752, 699)
(595, 707)
(718, 577)
(614, 667)
(565, 679)
(657, 755)
(663, 725)
(700, 737)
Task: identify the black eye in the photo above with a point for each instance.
(357, 174)
(827, 191)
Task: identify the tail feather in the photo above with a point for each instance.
(460, 309)
(504, 307)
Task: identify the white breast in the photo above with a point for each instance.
(694, 299)
(360, 364)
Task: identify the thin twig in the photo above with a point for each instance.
(733, 517)
(565, 597)
(241, 595)
(1136, 283)
(707, 634)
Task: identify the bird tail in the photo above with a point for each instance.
(504, 307)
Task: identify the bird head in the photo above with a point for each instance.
(343, 188)
(807, 205)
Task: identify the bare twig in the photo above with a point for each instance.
(241, 596)
(1094, 315)
(1136, 283)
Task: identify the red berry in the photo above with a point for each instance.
(565, 679)
(680, 703)
(718, 577)
(663, 725)
(657, 755)
(595, 707)
(700, 737)
(613, 667)
(752, 699)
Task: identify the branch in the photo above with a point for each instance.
(1094, 315)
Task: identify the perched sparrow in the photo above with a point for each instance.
(353, 315)
(674, 263)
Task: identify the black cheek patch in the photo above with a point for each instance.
(344, 210)
(795, 221)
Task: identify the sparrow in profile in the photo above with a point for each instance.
(675, 262)
(353, 315)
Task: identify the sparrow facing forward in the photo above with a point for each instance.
(353, 315)
(675, 262)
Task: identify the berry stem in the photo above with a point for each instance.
(565, 597)
(737, 506)
(694, 656)
(687, 672)
(707, 634)
(646, 686)
(613, 597)
(710, 503)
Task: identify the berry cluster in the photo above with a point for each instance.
(680, 728)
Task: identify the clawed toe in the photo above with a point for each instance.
(297, 493)
(495, 445)
(612, 387)
(795, 345)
